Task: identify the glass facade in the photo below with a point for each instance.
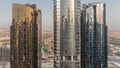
(95, 34)
(67, 33)
(25, 36)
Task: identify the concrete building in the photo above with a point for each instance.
(94, 36)
(67, 33)
(25, 36)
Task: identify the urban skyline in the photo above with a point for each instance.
(80, 43)
(79, 32)
(47, 8)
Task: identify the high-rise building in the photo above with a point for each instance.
(94, 36)
(25, 36)
(67, 33)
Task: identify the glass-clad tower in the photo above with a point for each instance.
(67, 33)
(94, 31)
(25, 36)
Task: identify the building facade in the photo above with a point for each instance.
(25, 36)
(94, 36)
(67, 33)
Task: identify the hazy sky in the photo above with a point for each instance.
(113, 12)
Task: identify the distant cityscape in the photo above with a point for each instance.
(47, 49)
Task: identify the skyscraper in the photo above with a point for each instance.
(67, 33)
(25, 36)
(94, 36)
